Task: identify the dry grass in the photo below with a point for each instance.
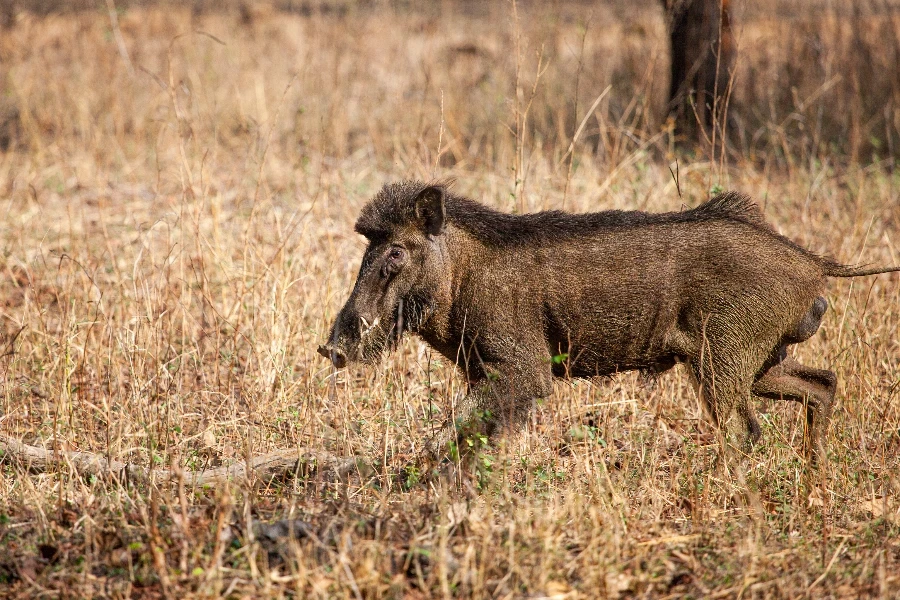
(176, 239)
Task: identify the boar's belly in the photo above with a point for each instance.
(612, 339)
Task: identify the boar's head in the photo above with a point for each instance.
(402, 269)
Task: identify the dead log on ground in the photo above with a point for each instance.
(266, 467)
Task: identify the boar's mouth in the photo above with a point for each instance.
(371, 341)
(410, 314)
(377, 339)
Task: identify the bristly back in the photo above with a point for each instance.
(394, 206)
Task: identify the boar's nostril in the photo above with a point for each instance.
(333, 354)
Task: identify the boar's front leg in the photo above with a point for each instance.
(499, 397)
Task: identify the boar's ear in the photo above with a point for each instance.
(430, 209)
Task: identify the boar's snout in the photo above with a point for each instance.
(344, 339)
(334, 354)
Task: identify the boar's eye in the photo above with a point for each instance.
(395, 259)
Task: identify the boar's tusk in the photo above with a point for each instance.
(367, 328)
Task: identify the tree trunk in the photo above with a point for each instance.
(703, 53)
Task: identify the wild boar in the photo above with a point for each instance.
(516, 300)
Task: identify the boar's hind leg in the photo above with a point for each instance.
(503, 398)
(789, 380)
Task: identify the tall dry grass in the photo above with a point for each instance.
(178, 234)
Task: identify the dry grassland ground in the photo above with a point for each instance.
(177, 200)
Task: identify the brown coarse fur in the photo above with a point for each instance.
(516, 300)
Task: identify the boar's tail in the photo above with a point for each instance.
(836, 269)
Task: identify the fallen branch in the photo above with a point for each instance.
(266, 467)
